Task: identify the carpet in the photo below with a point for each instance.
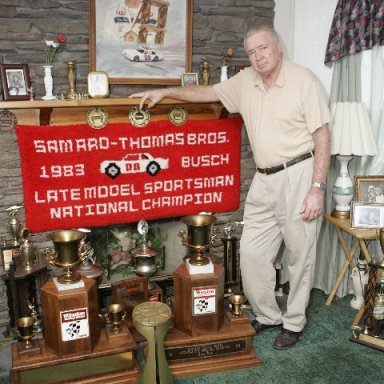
(75, 176)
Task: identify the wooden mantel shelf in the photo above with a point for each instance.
(59, 112)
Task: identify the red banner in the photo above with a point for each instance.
(76, 176)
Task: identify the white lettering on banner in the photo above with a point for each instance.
(62, 171)
(100, 209)
(145, 142)
(189, 183)
(206, 138)
(93, 144)
(204, 160)
(175, 201)
(87, 193)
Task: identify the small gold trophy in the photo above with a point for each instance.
(25, 330)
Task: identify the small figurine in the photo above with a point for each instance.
(31, 93)
(205, 73)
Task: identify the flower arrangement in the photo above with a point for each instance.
(52, 47)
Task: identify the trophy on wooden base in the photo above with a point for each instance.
(205, 337)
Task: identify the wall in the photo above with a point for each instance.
(26, 24)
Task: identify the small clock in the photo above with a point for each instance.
(98, 84)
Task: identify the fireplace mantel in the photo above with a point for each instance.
(60, 112)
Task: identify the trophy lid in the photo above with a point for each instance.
(144, 250)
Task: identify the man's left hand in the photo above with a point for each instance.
(312, 206)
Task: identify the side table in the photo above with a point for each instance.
(360, 235)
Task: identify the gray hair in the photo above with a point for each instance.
(261, 26)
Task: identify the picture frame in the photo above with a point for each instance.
(98, 84)
(188, 79)
(369, 189)
(8, 254)
(15, 81)
(367, 215)
(137, 42)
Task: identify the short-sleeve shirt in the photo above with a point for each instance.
(279, 122)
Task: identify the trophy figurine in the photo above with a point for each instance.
(67, 253)
(199, 237)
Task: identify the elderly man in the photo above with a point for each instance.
(285, 111)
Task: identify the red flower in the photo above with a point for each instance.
(61, 38)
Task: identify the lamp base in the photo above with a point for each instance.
(342, 215)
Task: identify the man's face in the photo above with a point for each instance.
(264, 53)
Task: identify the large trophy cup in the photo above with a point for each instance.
(199, 237)
(67, 253)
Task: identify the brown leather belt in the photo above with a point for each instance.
(280, 167)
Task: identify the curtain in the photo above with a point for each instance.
(357, 31)
(357, 25)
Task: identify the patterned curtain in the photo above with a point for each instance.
(357, 25)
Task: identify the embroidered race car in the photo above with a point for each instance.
(134, 163)
(142, 54)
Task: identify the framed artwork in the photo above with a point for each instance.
(15, 81)
(188, 79)
(369, 189)
(140, 42)
(98, 84)
(367, 215)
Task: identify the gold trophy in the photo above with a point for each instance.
(199, 236)
(115, 314)
(68, 245)
(236, 302)
(27, 250)
(25, 330)
(14, 224)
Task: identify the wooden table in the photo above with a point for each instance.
(360, 236)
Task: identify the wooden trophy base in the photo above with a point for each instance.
(112, 361)
(199, 301)
(70, 317)
(231, 349)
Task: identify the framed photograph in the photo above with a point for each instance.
(140, 42)
(15, 81)
(367, 215)
(98, 85)
(369, 189)
(8, 253)
(188, 79)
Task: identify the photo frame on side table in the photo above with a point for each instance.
(140, 42)
(369, 189)
(15, 81)
(188, 79)
(367, 215)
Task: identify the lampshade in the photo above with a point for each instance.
(352, 130)
(351, 135)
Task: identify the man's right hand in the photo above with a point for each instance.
(152, 95)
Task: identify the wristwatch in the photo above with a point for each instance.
(321, 186)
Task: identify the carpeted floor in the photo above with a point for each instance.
(324, 354)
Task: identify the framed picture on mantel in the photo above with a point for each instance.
(140, 42)
(15, 81)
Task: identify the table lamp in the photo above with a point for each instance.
(351, 135)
